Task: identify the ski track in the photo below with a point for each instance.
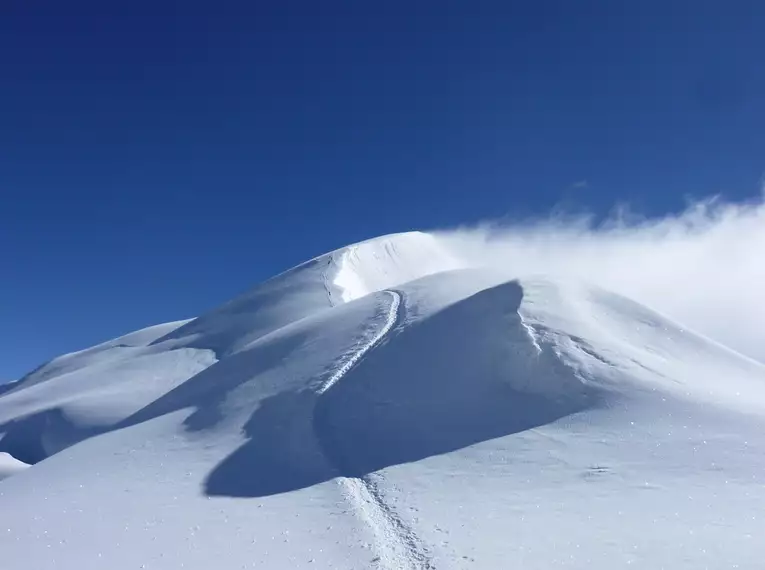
(356, 356)
(398, 546)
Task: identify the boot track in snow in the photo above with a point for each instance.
(398, 546)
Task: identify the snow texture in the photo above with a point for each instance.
(391, 405)
(9, 465)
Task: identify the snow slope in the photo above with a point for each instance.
(9, 465)
(390, 405)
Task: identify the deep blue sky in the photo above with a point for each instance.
(158, 157)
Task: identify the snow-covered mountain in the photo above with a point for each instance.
(391, 405)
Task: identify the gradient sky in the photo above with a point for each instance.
(157, 158)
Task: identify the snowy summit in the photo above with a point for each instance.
(393, 405)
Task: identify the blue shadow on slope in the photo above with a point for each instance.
(466, 375)
(277, 458)
(282, 453)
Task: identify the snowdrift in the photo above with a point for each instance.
(9, 465)
(391, 405)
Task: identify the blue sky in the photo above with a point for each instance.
(157, 158)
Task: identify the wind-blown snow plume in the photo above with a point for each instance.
(704, 267)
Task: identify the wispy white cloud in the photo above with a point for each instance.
(704, 267)
(580, 184)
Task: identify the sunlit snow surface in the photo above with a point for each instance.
(9, 465)
(391, 405)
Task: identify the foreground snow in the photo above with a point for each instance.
(391, 406)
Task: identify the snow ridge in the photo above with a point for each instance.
(9, 465)
(356, 356)
(398, 546)
(531, 331)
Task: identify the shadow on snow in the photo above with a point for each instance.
(466, 375)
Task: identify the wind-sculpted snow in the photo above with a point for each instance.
(466, 374)
(388, 405)
(387, 262)
(44, 418)
(104, 352)
(328, 280)
(85, 393)
(9, 465)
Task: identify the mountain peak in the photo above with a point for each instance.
(390, 404)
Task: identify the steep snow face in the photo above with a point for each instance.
(386, 406)
(465, 373)
(386, 262)
(614, 337)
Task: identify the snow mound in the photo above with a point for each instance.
(101, 352)
(9, 465)
(389, 406)
(326, 281)
(466, 374)
(81, 394)
(631, 348)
